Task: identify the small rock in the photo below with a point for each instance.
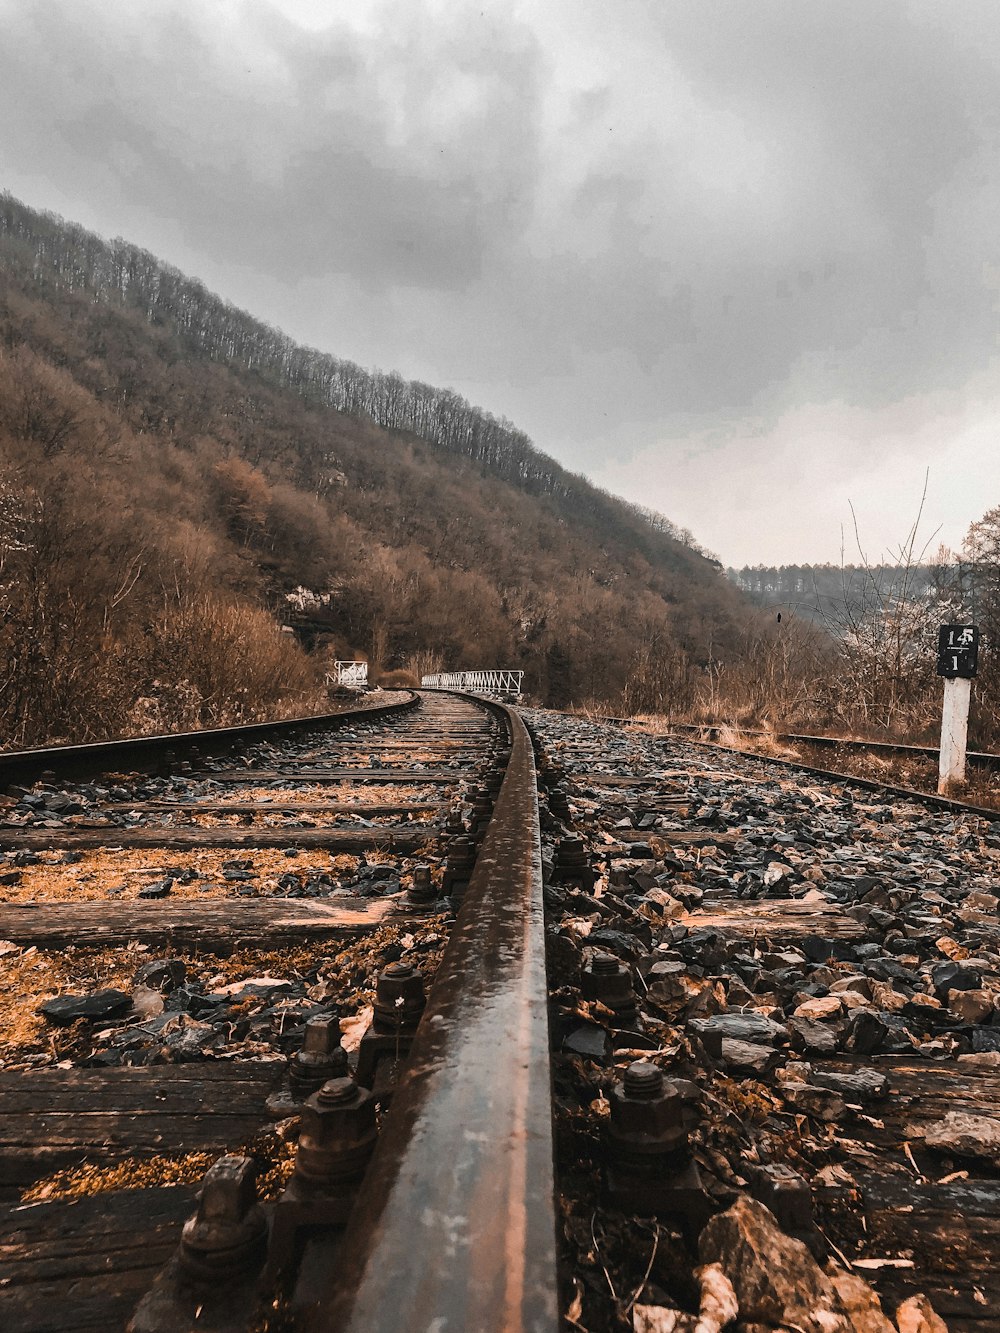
(872, 1031)
(917, 1316)
(161, 974)
(814, 1038)
(824, 1006)
(146, 1002)
(776, 1279)
(949, 947)
(102, 1004)
(750, 1027)
(747, 1057)
(863, 1085)
(953, 976)
(775, 873)
(823, 1103)
(887, 999)
(665, 903)
(588, 1040)
(160, 888)
(983, 902)
(962, 1135)
(861, 1305)
(858, 985)
(718, 1305)
(187, 1036)
(972, 1006)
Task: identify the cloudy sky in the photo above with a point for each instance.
(735, 259)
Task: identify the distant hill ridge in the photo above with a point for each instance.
(172, 469)
(68, 257)
(826, 593)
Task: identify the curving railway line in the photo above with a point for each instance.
(448, 1015)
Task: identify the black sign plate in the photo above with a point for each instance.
(958, 651)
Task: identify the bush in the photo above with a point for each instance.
(397, 680)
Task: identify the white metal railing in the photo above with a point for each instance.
(352, 674)
(476, 682)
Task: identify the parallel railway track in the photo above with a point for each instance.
(976, 758)
(269, 895)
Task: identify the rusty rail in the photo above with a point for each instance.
(979, 758)
(852, 779)
(455, 1227)
(140, 752)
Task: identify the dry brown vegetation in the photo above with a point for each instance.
(127, 871)
(170, 470)
(867, 668)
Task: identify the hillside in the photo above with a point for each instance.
(171, 470)
(835, 595)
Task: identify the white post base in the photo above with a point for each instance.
(954, 733)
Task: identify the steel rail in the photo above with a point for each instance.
(868, 784)
(978, 757)
(981, 758)
(455, 1227)
(134, 752)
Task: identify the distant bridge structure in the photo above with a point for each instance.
(476, 682)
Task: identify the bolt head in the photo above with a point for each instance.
(227, 1235)
(399, 994)
(647, 1111)
(229, 1189)
(337, 1132)
(606, 979)
(322, 1035)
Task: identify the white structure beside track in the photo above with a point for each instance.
(352, 674)
(476, 682)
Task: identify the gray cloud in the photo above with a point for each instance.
(618, 225)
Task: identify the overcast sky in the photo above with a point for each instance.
(736, 260)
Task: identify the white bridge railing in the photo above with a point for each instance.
(352, 674)
(476, 682)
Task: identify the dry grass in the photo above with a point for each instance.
(291, 820)
(759, 742)
(90, 878)
(131, 1173)
(275, 1159)
(28, 977)
(344, 793)
(919, 772)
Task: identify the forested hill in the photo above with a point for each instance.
(67, 259)
(168, 464)
(831, 595)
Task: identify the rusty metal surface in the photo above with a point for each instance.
(852, 780)
(139, 751)
(455, 1230)
(982, 758)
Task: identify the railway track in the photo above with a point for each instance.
(788, 948)
(321, 962)
(976, 758)
(195, 943)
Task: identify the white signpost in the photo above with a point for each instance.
(958, 658)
